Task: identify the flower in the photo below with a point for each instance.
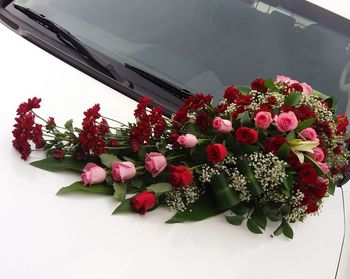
(307, 173)
(203, 121)
(320, 187)
(198, 101)
(180, 176)
(309, 134)
(263, 119)
(274, 143)
(93, 174)
(123, 171)
(216, 152)
(231, 94)
(246, 135)
(259, 85)
(342, 123)
(283, 79)
(223, 126)
(286, 121)
(188, 140)
(317, 154)
(155, 163)
(324, 167)
(221, 108)
(303, 112)
(58, 154)
(307, 89)
(143, 202)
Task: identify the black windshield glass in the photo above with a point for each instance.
(205, 45)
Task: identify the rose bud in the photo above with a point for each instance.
(187, 140)
(342, 123)
(180, 176)
(93, 174)
(143, 202)
(309, 134)
(324, 167)
(223, 126)
(307, 89)
(318, 154)
(286, 121)
(155, 163)
(123, 171)
(263, 119)
(246, 135)
(216, 152)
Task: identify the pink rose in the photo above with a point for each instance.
(123, 171)
(324, 167)
(286, 121)
(309, 134)
(283, 79)
(155, 163)
(263, 119)
(318, 154)
(222, 125)
(187, 140)
(93, 174)
(307, 89)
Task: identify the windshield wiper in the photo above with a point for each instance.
(164, 84)
(69, 40)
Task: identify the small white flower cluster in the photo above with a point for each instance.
(298, 212)
(238, 182)
(322, 112)
(180, 199)
(259, 99)
(269, 171)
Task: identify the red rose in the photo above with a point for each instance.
(216, 153)
(307, 173)
(221, 108)
(143, 202)
(274, 143)
(244, 100)
(203, 121)
(180, 117)
(231, 94)
(180, 176)
(310, 203)
(259, 85)
(320, 187)
(246, 135)
(342, 123)
(293, 161)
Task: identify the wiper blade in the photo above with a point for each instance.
(71, 41)
(164, 84)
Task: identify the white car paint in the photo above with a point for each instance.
(45, 236)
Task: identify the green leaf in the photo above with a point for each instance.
(225, 196)
(120, 189)
(270, 84)
(253, 185)
(284, 151)
(235, 220)
(279, 230)
(259, 218)
(69, 125)
(253, 226)
(293, 99)
(202, 209)
(331, 187)
(290, 136)
(243, 89)
(52, 164)
(245, 119)
(136, 182)
(272, 213)
(79, 186)
(240, 209)
(304, 124)
(287, 186)
(129, 159)
(108, 160)
(160, 188)
(287, 229)
(124, 207)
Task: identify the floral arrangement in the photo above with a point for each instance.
(272, 151)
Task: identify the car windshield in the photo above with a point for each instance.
(205, 45)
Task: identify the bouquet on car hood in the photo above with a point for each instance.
(272, 151)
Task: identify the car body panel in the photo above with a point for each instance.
(75, 236)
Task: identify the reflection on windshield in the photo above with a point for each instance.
(207, 45)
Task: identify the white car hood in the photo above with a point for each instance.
(75, 236)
